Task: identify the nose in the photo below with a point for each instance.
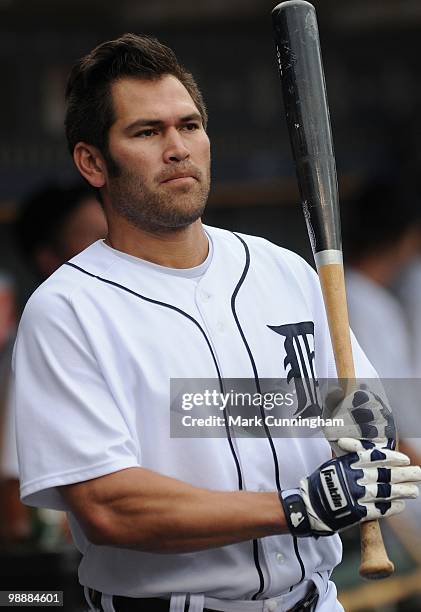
(175, 148)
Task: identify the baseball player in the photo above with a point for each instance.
(54, 224)
(163, 523)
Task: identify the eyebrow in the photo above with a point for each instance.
(158, 122)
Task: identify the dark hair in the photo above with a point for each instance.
(379, 216)
(43, 216)
(89, 112)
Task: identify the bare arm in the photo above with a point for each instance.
(138, 508)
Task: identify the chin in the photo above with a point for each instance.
(183, 219)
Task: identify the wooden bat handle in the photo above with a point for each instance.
(375, 563)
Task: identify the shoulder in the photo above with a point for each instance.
(55, 296)
(262, 248)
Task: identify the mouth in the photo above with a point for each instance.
(180, 178)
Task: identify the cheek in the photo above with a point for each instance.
(134, 155)
(203, 151)
(131, 156)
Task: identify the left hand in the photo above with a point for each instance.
(361, 485)
(366, 417)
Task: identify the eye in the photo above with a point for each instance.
(190, 127)
(145, 133)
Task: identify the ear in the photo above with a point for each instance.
(90, 164)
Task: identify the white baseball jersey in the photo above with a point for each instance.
(97, 346)
(9, 467)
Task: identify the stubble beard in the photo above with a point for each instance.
(163, 209)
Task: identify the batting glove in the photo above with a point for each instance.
(361, 485)
(364, 415)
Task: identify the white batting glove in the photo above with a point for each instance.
(365, 416)
(361, 485)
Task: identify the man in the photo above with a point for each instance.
(375, 263)
(167, 523)
(53, 224)
(375, 260)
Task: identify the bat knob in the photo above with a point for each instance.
(375, 564)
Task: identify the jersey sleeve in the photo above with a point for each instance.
(8, 455)
(9, 467)
(69, 428)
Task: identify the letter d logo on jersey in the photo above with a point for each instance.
(299, 365)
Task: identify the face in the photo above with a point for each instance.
(84, 226)
(162, 155)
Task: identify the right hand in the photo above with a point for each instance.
(361, 485)
(364, 415)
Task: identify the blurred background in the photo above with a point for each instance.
(371, 55)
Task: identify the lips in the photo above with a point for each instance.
(179, 176)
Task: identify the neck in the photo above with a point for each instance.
(179, 248)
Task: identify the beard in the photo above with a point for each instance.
(163, 208)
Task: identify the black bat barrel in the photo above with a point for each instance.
(307, 112)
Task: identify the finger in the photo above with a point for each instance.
(351, 443)
(395, 475)
(374, 513)
(411, 473)
(387, 492)
(379, 458)
(354, 445)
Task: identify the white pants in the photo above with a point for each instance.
(327, 602)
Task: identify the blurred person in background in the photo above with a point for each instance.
(382, 229)
(7, 334)
(408, 290)
(381, 237)
(7, 310)
(54, 224)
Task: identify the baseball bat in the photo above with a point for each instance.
(307, 113)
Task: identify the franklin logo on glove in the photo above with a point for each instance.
(368, 481)
(334, 494)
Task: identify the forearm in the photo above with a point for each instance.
(138, 508)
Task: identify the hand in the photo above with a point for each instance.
(361, 485)
(365, 416)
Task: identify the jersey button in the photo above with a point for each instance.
(271, 605)
(280, 557)
(205, 296)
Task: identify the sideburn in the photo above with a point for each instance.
(113, 169)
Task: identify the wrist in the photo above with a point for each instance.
(295, 511)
